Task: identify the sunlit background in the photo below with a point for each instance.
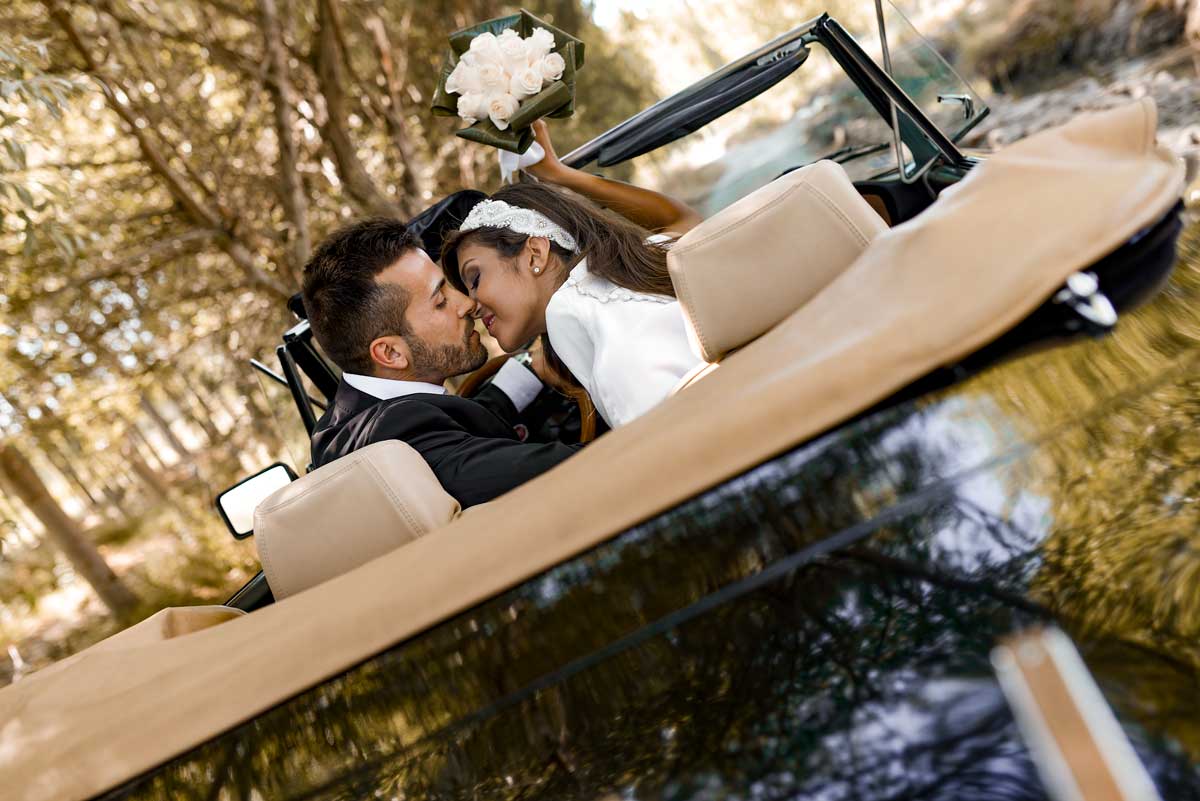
(154, 226)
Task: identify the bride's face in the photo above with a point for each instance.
(508, 291)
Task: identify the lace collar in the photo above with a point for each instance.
(603, 290)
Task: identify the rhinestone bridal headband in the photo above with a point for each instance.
(498, 214)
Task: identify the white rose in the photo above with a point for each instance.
(540, 42)
(526, 82)
(500, 108)
(508, 34)
(492, 77)
(486, 48)
(472, 107)
(463, 79)
(551, 67)
(514, 52)
(470, 80)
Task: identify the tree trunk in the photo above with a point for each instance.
(258, 415)
(62, 439)
(67, 534)
(201, 402)
(332, 82)
(139, 440)
(216, 392)
(88, 465)
(164, 427)
(147, 474)
(114, 485)
(18, 514)
(291, 189)
(62, 463)
(194, 414)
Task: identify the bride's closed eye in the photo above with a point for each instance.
(472, 279)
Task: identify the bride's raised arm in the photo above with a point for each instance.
(651, 210)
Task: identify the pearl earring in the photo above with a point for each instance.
(537, 270)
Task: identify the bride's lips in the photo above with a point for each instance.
(488, 319)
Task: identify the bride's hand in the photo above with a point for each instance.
(549, 169)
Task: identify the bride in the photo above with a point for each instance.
(541, 261)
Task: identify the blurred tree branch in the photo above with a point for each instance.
(203, 214)
(291, 189)
(331, 79)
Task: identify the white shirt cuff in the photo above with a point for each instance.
(518, 383)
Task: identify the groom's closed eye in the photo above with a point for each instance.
(438, 295)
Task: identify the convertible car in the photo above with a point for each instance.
(950, 399)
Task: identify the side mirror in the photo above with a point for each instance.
(237, 504)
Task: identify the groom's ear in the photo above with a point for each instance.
(390, 353)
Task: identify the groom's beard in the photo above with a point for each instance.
(448, 360)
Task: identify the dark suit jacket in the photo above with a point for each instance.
(469, 442)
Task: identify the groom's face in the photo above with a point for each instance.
(442, 340)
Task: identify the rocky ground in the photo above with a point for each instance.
(1171, 78)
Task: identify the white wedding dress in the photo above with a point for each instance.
(628, 349)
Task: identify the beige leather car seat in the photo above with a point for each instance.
(347, 513)
(743, 270)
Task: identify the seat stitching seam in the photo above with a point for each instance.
(841, 214)
(738, 223)
(785, 194)
(684, 291)
(397, 502)
(264, 554)
(308, 490)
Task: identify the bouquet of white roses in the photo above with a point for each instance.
(502, 75)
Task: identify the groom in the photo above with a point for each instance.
(383, 312)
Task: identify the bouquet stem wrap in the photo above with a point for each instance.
(556, 99)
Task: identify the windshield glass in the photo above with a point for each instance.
(815, 113)
(945, 97)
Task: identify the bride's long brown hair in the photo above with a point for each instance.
(615, 248)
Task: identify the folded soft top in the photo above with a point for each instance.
(922, 295)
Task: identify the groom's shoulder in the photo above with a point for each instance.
(420, 407)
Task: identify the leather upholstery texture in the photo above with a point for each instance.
(347, 513)
(742, 271)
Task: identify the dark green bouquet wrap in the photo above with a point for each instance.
(557, 99)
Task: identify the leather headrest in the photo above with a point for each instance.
(347, 513)
(746, 268)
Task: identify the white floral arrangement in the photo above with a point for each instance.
(501, 75)
(498, 72)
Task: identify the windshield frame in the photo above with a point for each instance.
(924, 139)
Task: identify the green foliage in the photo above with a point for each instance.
(22, 81)
(27, 92)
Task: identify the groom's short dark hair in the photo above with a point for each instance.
(346, 307)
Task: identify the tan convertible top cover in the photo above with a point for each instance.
(923, 294)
